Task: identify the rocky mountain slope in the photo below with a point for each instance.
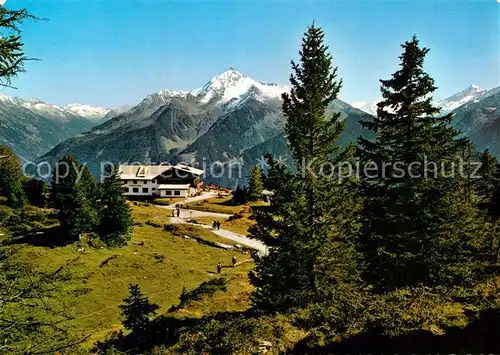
(480, 121)
(461, 98)
(32, 127)
(232, 117)
(369, 107)
(447, 105)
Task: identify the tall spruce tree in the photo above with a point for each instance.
(115, 214)
(30, 322)
(11, 178)
(420, 222)
(73, 195)
(137, 311)
(12, 57)
(488, 176)
(255, 185)
(309, 227)
(36, 191)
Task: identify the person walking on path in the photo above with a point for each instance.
(234, 260)
(214, 225)
(178, 212)
(218, 225)
(219, 267)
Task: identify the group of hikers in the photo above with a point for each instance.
(177, 212)
(216, 225)
(219, 265)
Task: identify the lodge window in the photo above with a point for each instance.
(145, 190)
(169, 192)
(135, 182)
(145, 182)
(177, 193)
(135, 190)
(154, 181)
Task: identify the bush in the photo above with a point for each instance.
(235, 217)
(25, 220)
(93, 241)
(153, 224)
(238, 335)
(170, 228)
(207, 288)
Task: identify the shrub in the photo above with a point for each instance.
(170, 228)
(153, 224)
(207, 288)
(238, 335)
(235, 217)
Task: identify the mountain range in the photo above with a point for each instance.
(232, 118)
(447, 105)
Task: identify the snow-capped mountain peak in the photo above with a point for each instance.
(471, 93)
(87, 111)
(224, 87)
(367, 106)
(233, 84)
(229, 89)
(453, 102)
(228, 78)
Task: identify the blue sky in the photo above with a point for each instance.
(115, 52)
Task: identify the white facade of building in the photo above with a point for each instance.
(175, 190)
(141, 181)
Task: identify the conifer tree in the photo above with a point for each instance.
(36, 191)
(137, 311)
(309, 228)
(29, 324)
(420, 222)
(255, 185)
(115, 214)
(12, 57)
(11, 178)
(240, 196)
(488, 176)
(72, 196)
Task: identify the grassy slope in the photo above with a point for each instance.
(239, 225)
(216, 204)
(186, 264)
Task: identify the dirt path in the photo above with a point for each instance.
(187, 214)
(203, 196)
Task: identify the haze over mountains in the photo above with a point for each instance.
(231, 118)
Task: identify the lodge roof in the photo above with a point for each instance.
(149, 172)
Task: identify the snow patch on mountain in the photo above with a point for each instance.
(232, 84)
(229, 90)
(53, 111)
(367, 106)
(470, 94)
(453, 102)
(87, 111)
